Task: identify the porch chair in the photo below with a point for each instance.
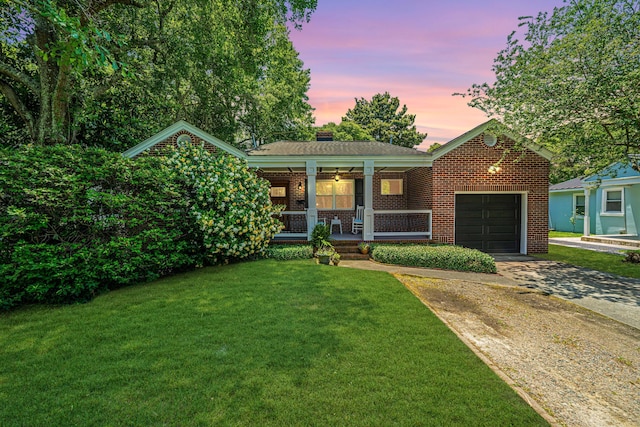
(357, 223)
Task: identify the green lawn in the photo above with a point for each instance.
(608, 263)
(564, 234)
(258, 343)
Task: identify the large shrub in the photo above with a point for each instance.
(446, 257)
(231, 215)
(74, 221)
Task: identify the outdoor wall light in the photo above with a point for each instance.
(494, 169)
(337, 177)
(299, 186)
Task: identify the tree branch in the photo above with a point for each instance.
(103, 4)
(20, 77)
(7, 90)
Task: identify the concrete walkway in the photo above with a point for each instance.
(575, 242)
(613, 296)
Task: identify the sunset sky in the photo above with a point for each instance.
(421, 51)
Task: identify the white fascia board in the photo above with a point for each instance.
(615, 182)
(179, 127)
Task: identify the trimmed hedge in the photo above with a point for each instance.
(289, 252)
(446, 257)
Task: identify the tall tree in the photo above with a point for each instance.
(572, 83)
(60, 68)
(347, 131)
(385, 121)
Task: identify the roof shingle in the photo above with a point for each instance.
(334, 148)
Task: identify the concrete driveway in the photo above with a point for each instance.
(613, 296)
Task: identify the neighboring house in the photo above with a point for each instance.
(607, 203)
(455, 194)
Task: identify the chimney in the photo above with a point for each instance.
(324, 135)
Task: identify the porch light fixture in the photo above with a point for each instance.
(337, 177)
(300, 186)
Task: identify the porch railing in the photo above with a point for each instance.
(295, 224)
(402, 223)
(386, 223)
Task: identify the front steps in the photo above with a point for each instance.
(348, 250)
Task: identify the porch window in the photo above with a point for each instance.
(335, 194)
(612, 201)
(578, 204)
(391, 187)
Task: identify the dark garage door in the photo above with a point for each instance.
(489, 222)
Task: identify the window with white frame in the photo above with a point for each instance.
(391, 187)
(331, 194)
(578, 204)
(612, 201)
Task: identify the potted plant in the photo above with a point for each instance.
(320, 237)
(364, 247)
(335, 258)
(324, 254)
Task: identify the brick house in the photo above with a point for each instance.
(461, 193)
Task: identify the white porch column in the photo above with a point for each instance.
(312, 211)
(587, 219)
(367, 233)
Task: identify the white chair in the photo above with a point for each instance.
(357, 223)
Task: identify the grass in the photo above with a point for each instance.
(564, 234)
(601, 261)
(258, 343)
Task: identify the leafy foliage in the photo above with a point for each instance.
(447, 257)
(74, 222)
(72, 71)
(321, 236)
(231, 215)
(572, 84)
(288, 252)
(381, 119)
(347, 131)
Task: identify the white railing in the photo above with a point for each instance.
(402, 223)
(295, 223)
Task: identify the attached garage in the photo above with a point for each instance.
(489, 222)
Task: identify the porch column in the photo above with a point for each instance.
(587, 219)
(312, 211)
(367, 233)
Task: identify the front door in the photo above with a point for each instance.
(280, 196)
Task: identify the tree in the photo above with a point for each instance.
(67, 65)
(433, 147)
(382, 120)
(347, 131)
(572, 84)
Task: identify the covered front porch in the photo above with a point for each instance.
(394, 201)
(386, 188)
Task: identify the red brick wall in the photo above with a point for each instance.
(465, 169)
(389, 202)
(419, 188)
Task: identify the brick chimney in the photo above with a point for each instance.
(324, 135)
